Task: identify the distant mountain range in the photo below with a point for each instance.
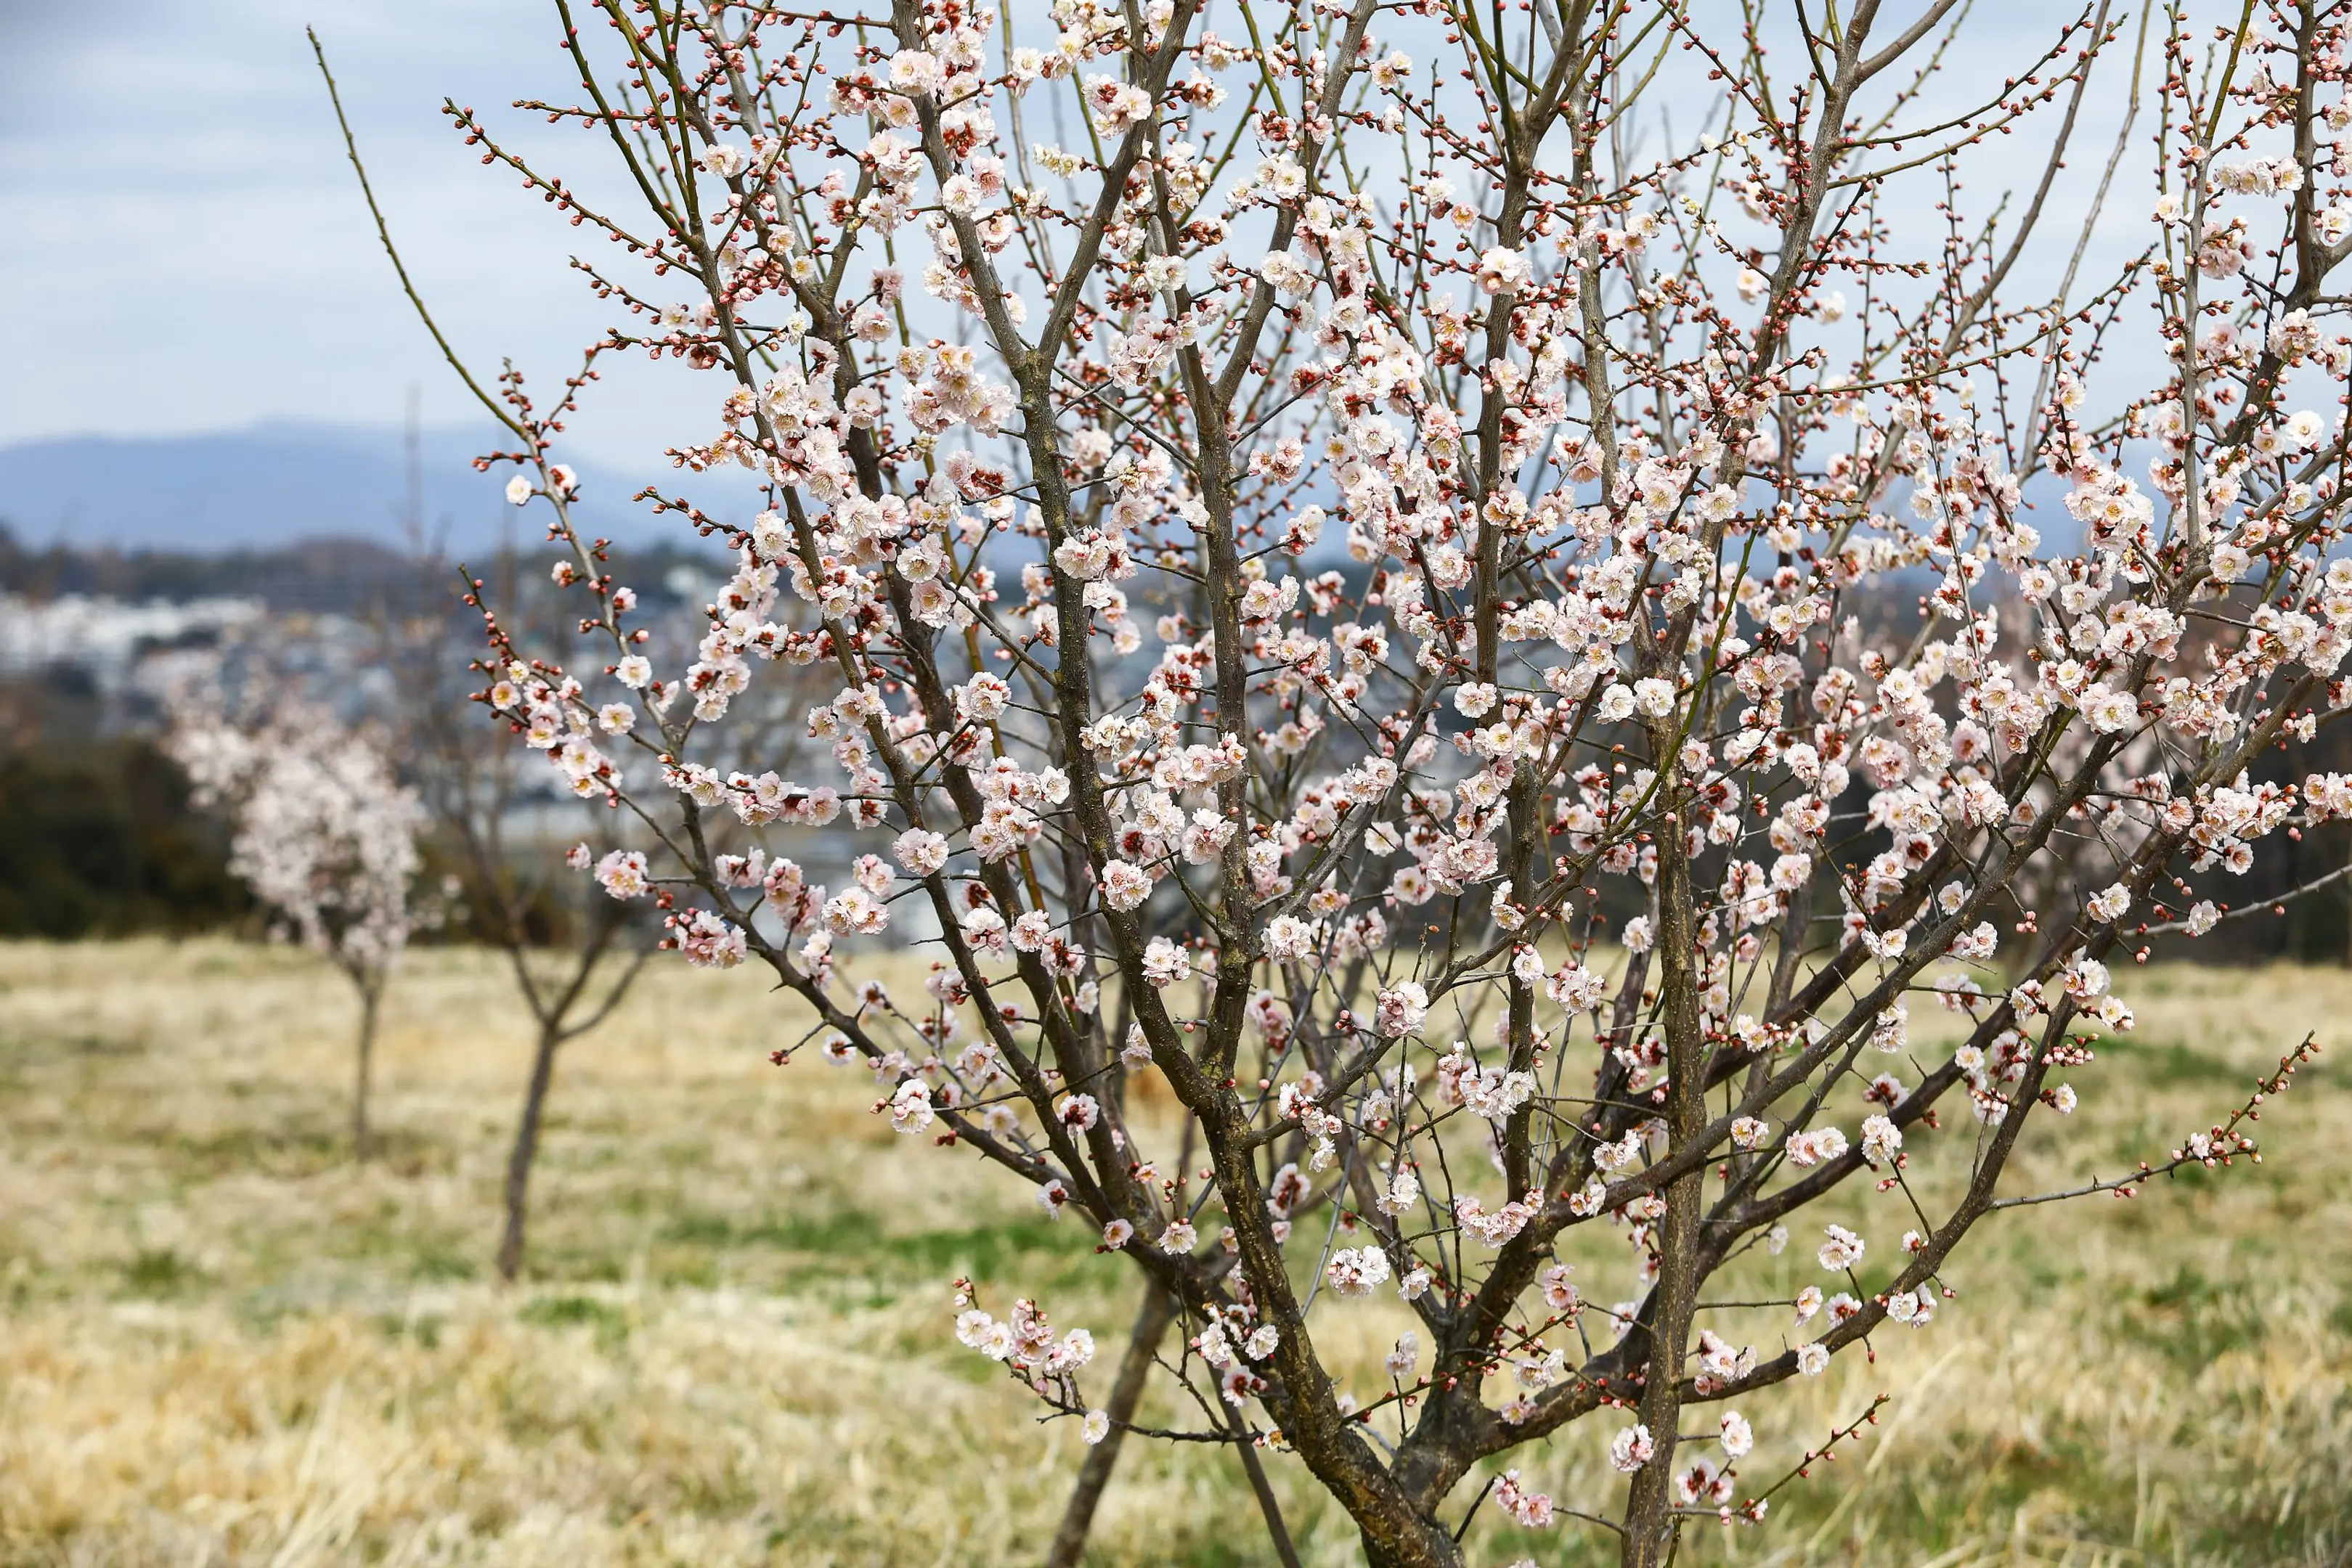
(278, 483)
(273, 486)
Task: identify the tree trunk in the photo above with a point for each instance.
(1134, 1371)
(526, 1149)
(1431, 1548)
(1650, 1519)
(362, 1144)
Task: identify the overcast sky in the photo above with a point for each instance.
(182, 249)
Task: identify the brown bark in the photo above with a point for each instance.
(526, 1150)
(1432, 1547)
(1649, 1531)
(362, 1141)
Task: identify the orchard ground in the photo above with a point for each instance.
(222, 1343)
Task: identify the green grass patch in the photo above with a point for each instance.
(609, 1322)
(160, 1274)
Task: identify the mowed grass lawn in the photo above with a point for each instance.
(221, 1341)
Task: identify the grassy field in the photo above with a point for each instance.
(223, 1342)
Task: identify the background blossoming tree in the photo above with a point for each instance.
(322, 833)
(572, 956)
(1492, 646)
(513, 844)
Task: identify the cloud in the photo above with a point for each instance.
(183, 246)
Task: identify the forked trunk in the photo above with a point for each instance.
(1427, 1549)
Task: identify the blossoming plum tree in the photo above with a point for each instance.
(1499, 668)
(323, 833)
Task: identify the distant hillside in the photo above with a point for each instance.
(276, 486)
(271, 486)
(350, 576)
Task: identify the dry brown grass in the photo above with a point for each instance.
(225, 1343)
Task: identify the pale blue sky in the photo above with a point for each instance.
(182, 249)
